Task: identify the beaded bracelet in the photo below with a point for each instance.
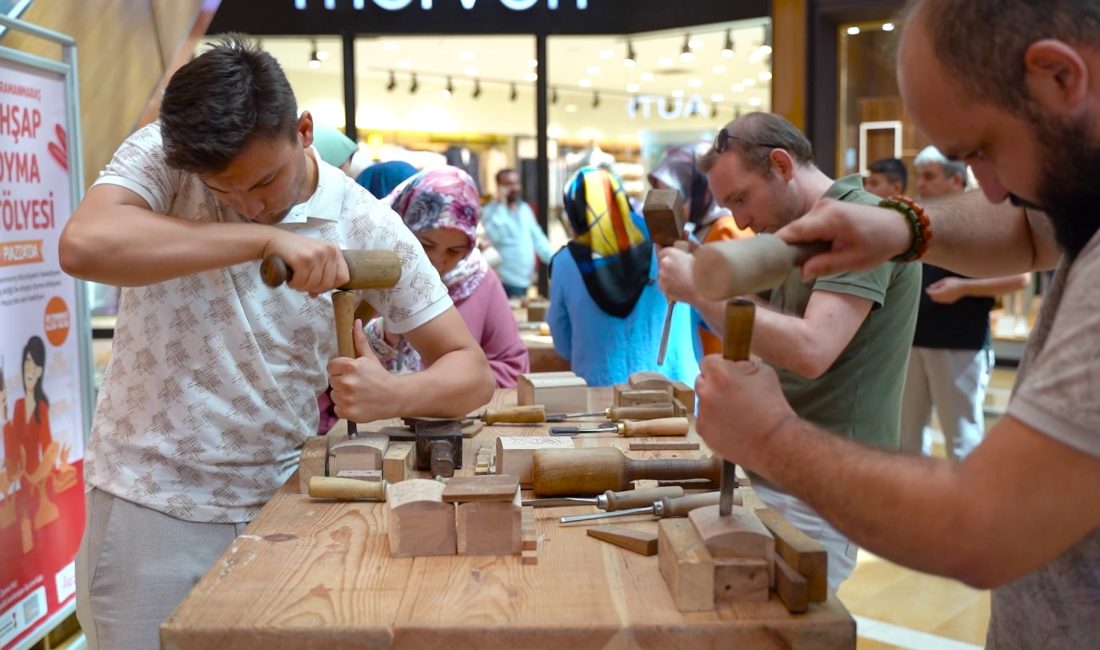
(918, 223)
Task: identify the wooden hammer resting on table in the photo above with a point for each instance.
(367, 269)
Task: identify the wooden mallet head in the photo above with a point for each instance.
(739, 267)
(664, 216)
(368, 269)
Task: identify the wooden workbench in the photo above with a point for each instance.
(318, 575)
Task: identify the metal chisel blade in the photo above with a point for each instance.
(726, 488)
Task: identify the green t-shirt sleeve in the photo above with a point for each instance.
(870, 285)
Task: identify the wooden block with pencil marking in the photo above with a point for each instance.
(515, 454)
(803, 553)
(559, 392)
(639, 541)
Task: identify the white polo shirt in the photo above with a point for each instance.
(213, 381)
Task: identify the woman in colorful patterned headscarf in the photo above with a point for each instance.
(442, 208)
(606, 314)
(709, 221)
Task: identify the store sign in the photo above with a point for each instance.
(398, 5)
(666, 108)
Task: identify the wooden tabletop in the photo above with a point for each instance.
(309, 574)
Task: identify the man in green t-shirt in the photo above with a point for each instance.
(840, 344)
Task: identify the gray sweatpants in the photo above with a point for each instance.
(135, 566)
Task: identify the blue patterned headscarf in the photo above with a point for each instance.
(381, 178)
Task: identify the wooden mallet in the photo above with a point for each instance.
(739, 267)
(664, 217)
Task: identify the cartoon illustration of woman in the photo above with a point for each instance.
(29, 449)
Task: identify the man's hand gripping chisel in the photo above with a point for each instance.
(736, 345)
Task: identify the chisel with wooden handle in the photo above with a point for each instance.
(632, 429)
(736, 346)
(368, 269)
(536, 413)
(346, 489)
(611, 500)
(588, 472)
(660, 508)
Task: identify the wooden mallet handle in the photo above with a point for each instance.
(641, 412)
(739, 267)
(368, 269)
(346, 489)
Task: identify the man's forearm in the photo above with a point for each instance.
(974, 237)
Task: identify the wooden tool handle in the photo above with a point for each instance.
(639, 498)
(658, 427)
(737, 340)
(679, 507)
(646, 412)
(368, 269)
(344, 489)
(533, 413)
(672, 469)
(739, 267)
(577, 472)
(343, 306)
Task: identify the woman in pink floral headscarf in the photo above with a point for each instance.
(442, 208)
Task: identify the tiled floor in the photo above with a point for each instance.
(898, 608)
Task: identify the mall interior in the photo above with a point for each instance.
(548, 89)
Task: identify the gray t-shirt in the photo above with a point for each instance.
(1057, 391)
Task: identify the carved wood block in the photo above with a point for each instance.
(418, 522)
(490, 527)
(515, 454)
(741, 579)
(356, 454)
(399, 463)
(686, 565)
(739, 535)
(559, 392)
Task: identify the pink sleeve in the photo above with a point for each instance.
(489, 318)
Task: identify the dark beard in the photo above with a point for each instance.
(1068, 190)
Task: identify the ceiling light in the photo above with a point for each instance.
(570, 108)
(887, 27)
(631, 56)
(678, 93)
(403, 64)
(765, 76)
(755, 101)
(719, 69)
(749, 81)
(532, 63)
(512, 96)
(606, 54)
(646, 76)
(477, 88)
(727, 47)
(685, 52)
(449, 89)
(632, 88)
(322, 54)
(596, 99)
(554, 95)
(853, 30)
(717, 97)
(584, 83)
(393, 82)
(530, 76)
(390, 46)
(695, 43)
(593, 70)
(314, 60)
(414, 85)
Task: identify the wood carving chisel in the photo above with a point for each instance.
(737, 342)
(660, 427)
(611, 500)
(536, 413)
(661, 508)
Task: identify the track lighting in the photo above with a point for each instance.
(596, 99)
(414, 85)
(631, 56)
(477, 88)
(512, 96)
(727, 47)
(314, 59)
(686, 55)
(393, 82)
(554, 95)
(449, 89)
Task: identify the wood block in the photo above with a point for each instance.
(639, 541)
(515, 454)
(529, 557)
(804, 554)
(648, 380)
(484, 463)
(417, 521)
(792, 588)
(462, 489)
(686, 565)
(634, 397)
(559, 392)
(536, 310)
(399, 463)
(356, 454)
(528, 530)
(490, 527)
(312, 462)
(741, 579)
(662, 445)
(684, 393)
(739, 535)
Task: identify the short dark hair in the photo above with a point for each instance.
(991, 68)
(754, 135)
(501, 173)
(217, 103)
(891, 168)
